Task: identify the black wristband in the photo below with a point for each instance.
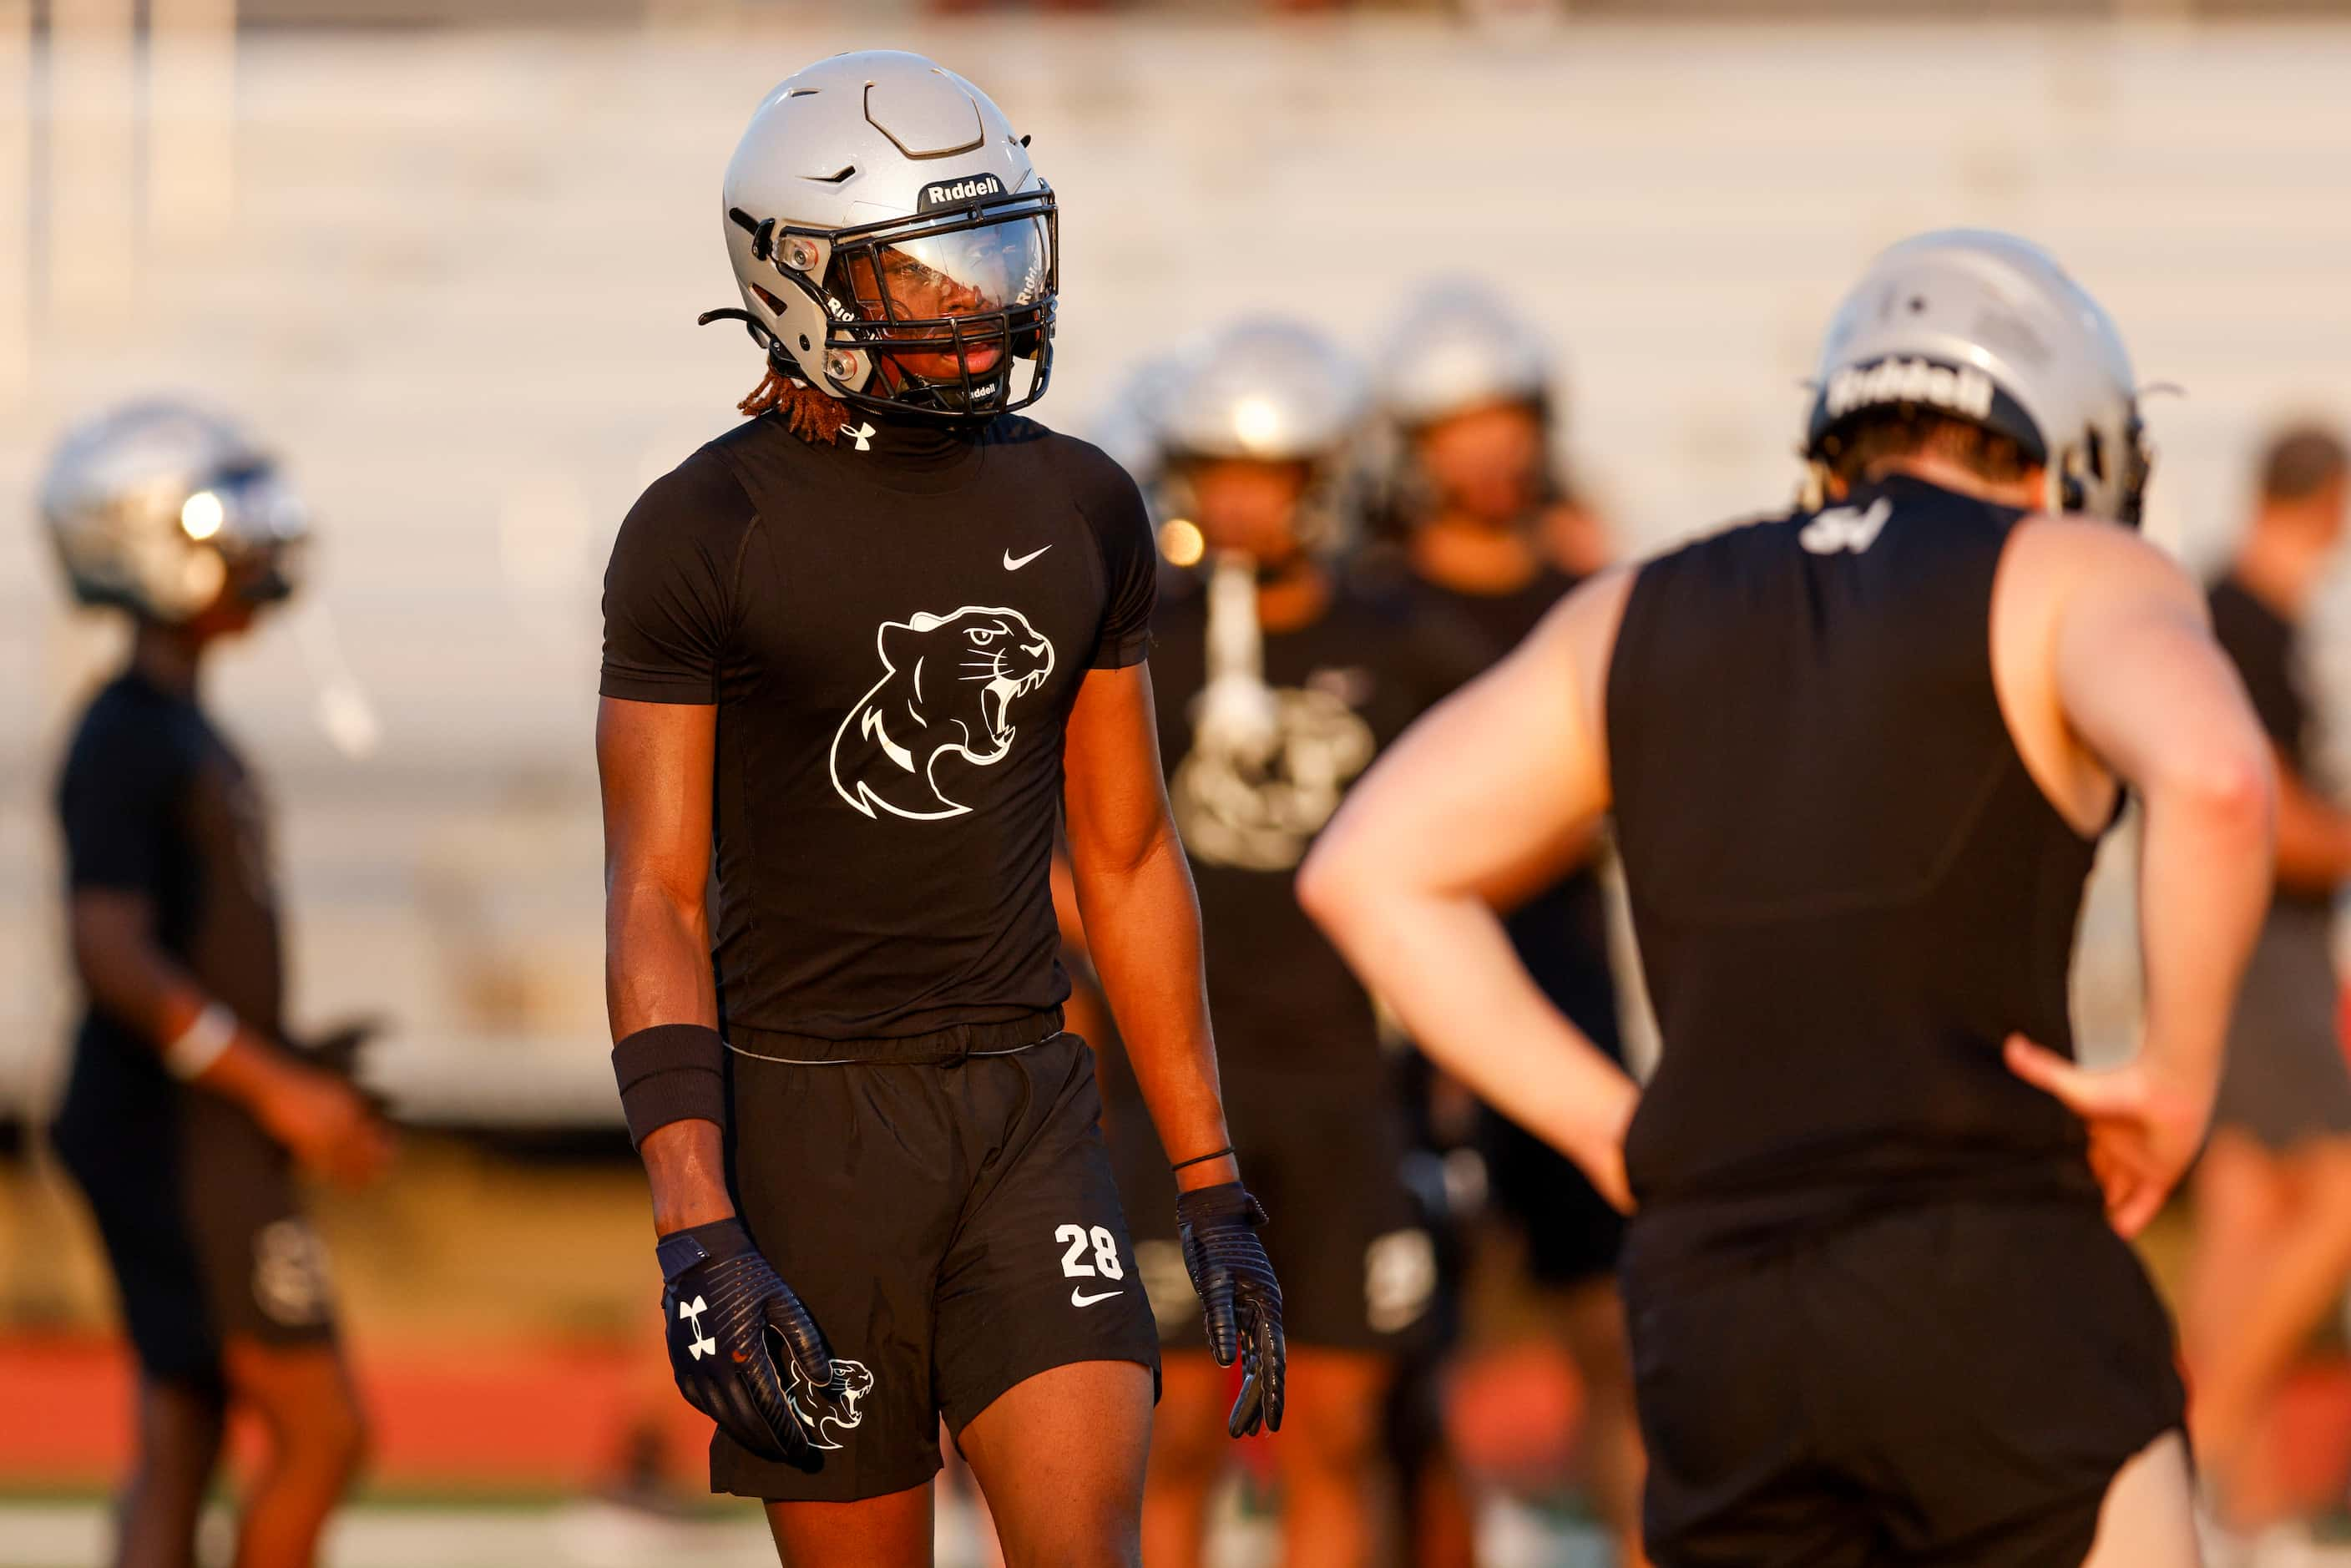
(671, 1073)
(1202, 1159)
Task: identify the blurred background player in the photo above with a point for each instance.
(2273, 1188)
(187, 1108)
(1859, 758)
(1477, 507)
(1278, 681)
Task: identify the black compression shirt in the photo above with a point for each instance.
(154, 801)
(1249, 802)
(1847, 888)
(1561, 932)
(894, 631)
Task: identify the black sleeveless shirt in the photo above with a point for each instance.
(1848, 890)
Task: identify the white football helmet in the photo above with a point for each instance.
(1458, 347)
(880, 213)
(156, 506)
(1273, 390)
(1987, 327)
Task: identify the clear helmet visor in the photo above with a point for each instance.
(258, 524)
(996, 266)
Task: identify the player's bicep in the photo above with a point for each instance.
(1484, 791)
(2140, 680)
(653, 760)
(1114, 794)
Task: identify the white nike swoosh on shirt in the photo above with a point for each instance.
(1014, 563)
(1077, 1300)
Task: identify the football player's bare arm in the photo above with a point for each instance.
(2106, 668)
(655, 761)
(1142, 918)
(326, 1124)
(1486, 786)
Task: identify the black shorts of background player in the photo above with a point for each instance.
(185, 1109)
(1278, 680)
(1859, 757)
(2274, 1187)
(1477, 513)
(860, 650)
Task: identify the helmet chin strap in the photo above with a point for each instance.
(762, 333)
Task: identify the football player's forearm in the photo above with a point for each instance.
(685, 1165)
(1144, 923)
(2204, 888)
(128, 977)
(657, 959)
(658, 972)
(1446, 968)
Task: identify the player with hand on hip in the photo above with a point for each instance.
(1859, 757)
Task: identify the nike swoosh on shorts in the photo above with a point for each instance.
(1076, 1300)
(1014, 563)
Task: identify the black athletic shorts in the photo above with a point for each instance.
(1950, 1386)
(955, 1230)
(197, 1209)
(1324, 1153)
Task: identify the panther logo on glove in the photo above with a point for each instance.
(947, 686)
(835, 1405)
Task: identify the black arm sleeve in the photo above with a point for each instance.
(119, 797)
(1106, 494)
(669, 590)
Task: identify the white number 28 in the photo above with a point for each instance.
(1105, 1245)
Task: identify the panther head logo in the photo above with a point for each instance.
(833, 1407)
(947, 685)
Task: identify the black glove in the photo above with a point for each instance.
(721, 1303)
(1228, 1266)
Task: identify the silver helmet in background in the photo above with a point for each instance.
(1264, 387)
(1986, 328)
(158, 507)
(1458, 346)
(1269, 390)
(894, 246)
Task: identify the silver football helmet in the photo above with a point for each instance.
(1272, 391)
(1458, 346)
(1264, 388)
(157, 506)
(893, 244)
(1987, 327)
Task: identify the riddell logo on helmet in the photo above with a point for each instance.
(952, 191)
(1964, 391)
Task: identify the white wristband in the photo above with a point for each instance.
(201, 1043)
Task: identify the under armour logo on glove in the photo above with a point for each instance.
(748, 1345)
(861, 434)
(701, 1345)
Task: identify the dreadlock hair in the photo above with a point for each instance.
(807, 412)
